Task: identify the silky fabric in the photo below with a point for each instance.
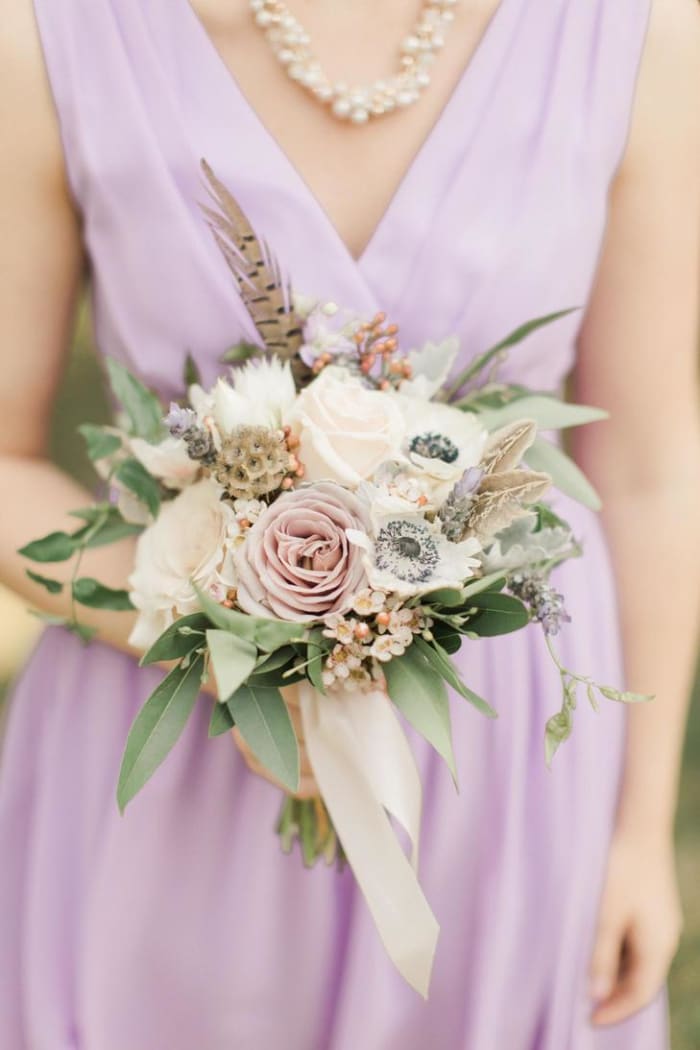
(182, 924)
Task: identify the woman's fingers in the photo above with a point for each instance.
(605, 962)
(641, 971)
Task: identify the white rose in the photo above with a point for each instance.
(192, 539)
(168, 461)
(346, 430)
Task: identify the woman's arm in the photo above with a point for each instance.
(42, 264)
(637, 358)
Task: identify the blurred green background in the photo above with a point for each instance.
(82, 398)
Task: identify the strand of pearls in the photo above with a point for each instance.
(292, 45)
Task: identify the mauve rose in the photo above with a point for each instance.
(297, 563)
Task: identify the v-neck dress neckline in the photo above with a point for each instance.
(442, 139)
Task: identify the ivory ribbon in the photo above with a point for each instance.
(362, 762)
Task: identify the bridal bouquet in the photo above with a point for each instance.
(335, 516)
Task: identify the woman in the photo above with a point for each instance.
(552, 161)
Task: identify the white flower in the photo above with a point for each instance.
(441, 442)
(430, 367)
(260, 393)
(168, 461)
(367, 602)
(409, 555)
(345, 429)
(191, 540)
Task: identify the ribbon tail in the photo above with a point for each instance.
(362, 762)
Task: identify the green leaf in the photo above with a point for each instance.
(178, 640)
(143, 408)
(625, 696)
(227, 619)
(57, 546)
(566, 475)
(515, 337)
(549, 413)
(52, 586)
(557, 730)
(263, 721)
(546, 518)
(111, 529)
(419, 693)
(448, 596)
(99, 442)
(497, 614)
(221, 720)
(440, 661)
(268, 635)
(134, 476)
(449, 638)
(95, 595)
(241, 352)
(233, 660)
(191, 373)
(157, 728)
(318, 647)
(494, 581)
(275, 661)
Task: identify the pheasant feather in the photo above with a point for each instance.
(266, 295)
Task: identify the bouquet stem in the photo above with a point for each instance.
(307, 821)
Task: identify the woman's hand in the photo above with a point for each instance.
(639, 926)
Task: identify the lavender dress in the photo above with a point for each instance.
(182, 925)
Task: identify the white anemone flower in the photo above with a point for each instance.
(430, 367)
(409, 555)
(441, 442)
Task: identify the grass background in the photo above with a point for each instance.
(82, 398)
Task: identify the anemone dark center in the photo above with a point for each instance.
(434, 446)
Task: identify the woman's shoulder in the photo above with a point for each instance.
(665, 114)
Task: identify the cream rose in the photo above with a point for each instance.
(192, 539)
(346, 430)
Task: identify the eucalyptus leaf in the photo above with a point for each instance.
(95, 595)
(233, 660)
(497, 614)
(179, 639)
(516, 336)
(549, 413)
(566, 475)
(270, 635)
(57, 546)
(133, 475)
(317, 651)
(143, 408)
(157, 728)
(447, 596)
(263, 721)
(419, 693)
(52, 586)
(440, 661)
(226, 619)
(221, 720)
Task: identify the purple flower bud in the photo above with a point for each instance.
(179, 420)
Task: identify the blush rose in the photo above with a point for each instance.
(297, 562)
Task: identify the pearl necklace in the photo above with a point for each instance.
(292, 46)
